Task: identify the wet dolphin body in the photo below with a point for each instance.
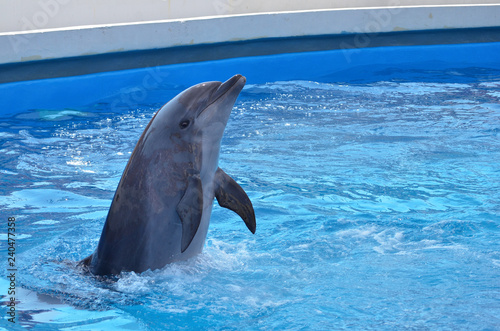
(161, 208)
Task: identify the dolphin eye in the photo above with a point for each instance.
(184, 124)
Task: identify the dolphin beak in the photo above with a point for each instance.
(231, 87)
(233, 83)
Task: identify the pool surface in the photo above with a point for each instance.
(376, 193)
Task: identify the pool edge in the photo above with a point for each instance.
(116, 61)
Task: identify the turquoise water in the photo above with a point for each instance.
(377, 206)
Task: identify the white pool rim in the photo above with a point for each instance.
(47, 33)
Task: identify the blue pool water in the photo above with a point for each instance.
(377, 204)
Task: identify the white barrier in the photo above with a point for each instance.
(44, 32)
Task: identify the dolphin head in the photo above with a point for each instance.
(203, 107)
(195, 120)
(207, 106)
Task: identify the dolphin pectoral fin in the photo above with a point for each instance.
(190, 210)
(230, 195)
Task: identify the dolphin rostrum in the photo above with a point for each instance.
(161, 208)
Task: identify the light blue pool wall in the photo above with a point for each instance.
(343, 65)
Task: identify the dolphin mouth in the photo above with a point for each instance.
(234, 83)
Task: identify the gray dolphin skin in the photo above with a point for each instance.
(161, 209)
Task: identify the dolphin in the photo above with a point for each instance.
(161, 209)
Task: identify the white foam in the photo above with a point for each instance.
(78, 161)
(3, 236)
(133, 283)
(357, 233)
(46, 222)
(388, 242)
